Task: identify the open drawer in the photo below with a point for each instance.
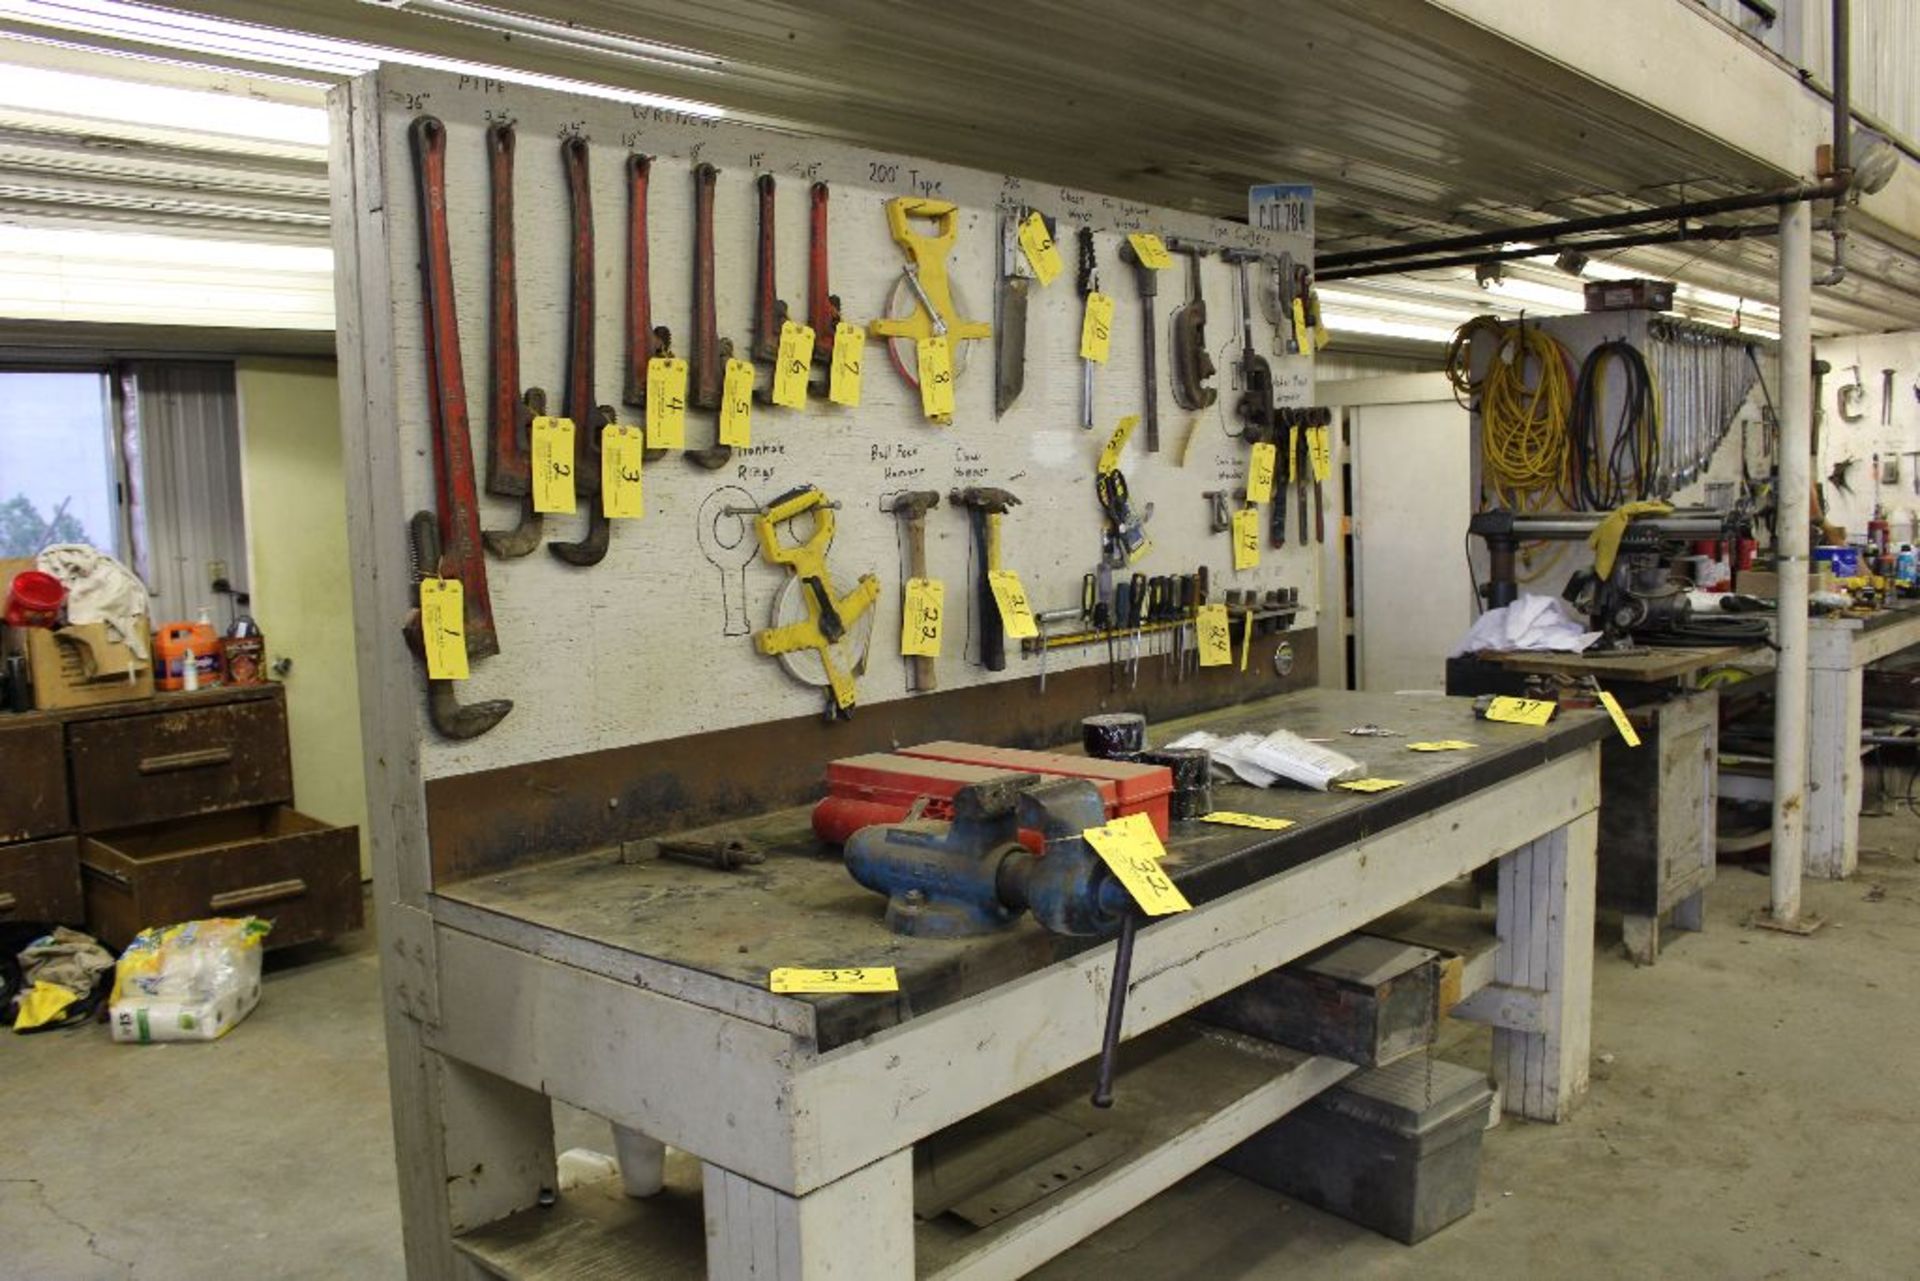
(271, 861)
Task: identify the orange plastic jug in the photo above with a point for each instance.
(175, 646)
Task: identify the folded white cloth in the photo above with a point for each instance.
(100, 590)
(1262, 761)
(1532, 622)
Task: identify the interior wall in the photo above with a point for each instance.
(1862, 438)
(297, 533)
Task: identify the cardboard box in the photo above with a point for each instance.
(1765, 584)
(79, 665)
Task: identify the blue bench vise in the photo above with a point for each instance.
(973, 876)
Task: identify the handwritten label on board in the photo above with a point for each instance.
(1215, 636)
(736, 405)
(1096, 328)
(621, 449)
(790, 366)
(936, 376)
(849, 345)
(1016, 611)
(864, 978)
(1246, 538)
(666, 403)
(443, 628)
(552, 444)
(921, 619)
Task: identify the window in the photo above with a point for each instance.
(57, 462)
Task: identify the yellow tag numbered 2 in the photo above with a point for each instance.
(849, 344)
(666, 403)
(1133, 852)
(1036, 242)
(1215, 636)
(1620, 721)
(1246, 538)
(736, 405)
(443, 628)
(621, 448)
(1521, 711)
(1149, 249)
(1258, 822)
(920, 620)
(1096, 328)
(791, 365)
(861, 978)
(936, 376)
(1260, 472)
(552, 464)
(1320, 450)
(1016, 611)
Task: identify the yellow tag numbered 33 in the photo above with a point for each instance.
(1215, 635)
(621, 449)
(443, 628)
(1096, 328)
(1521, 711)
(843, 384)
(921, 619)
(1016, 612)
(858, 978)
(736, 405)
(1246, 538)
(552, 440)
(791, 365)
(666, 403)
(1133, 852)
(1036, 242)
(936, 376)
(1260, 472)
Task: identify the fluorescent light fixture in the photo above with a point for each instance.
(168, 250)
(1345, 322)
(100, 98)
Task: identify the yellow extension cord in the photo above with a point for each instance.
(1523, 424)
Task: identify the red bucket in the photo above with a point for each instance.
(34, 600)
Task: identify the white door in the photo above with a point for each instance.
(1413, 591)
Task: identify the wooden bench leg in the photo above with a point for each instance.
(1690, 913)
(856, 1228)
(499, 1145)
(1641, 935)
(1546, 957)
(1835, 778)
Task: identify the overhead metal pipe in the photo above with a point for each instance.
(1636, 240)
(1792, 545)
(1841, 153)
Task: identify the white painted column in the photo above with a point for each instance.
(1791, 549)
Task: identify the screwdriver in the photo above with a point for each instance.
(1122, 602)
(1135, 617)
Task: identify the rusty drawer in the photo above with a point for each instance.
(134, 770)
(271, 861)
(40, 881)
(33, 781)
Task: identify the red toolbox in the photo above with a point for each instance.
(881, 788)
(1140, 789)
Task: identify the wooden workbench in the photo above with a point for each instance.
(1839, 651)
(638, 992)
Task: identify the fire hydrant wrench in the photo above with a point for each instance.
(1143, 275)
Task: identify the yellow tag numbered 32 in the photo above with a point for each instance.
(666, 403)
(791, 365)
(1096, 328)
(936, 376)
(1117, 443)
(920, 620)
(1371, 784)
(1521, 711)
(1620, 721)
(621, 448)
(1246, 538)
(843, 384)
(1151, 252)
(1258, 822)
(1260, 472)
(1320, 450)
(736, 405)
(1215, 635)
(552, 464)
(1133, 852)
(860, 978)
(1036, 242)
(1016, 611)
(443, 628)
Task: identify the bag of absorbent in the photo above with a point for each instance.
(189, 982)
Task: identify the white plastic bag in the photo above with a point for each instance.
(189, 982)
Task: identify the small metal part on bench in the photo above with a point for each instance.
(727, 855)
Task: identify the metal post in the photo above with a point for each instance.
(1792, 546)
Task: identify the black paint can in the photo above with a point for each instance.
(1114, 736)
(1192, 769)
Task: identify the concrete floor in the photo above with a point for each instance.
(1753, 1115)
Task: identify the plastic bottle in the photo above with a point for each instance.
(243, 651)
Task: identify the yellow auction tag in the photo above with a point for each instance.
(1441, 745)
(1260, 472)
(443, 628)
(552, 464)
(863, 978)
(936, 377)
(849, 344)
(666, 403)
(621, 448)
(1151, 252)
(1620, 721)
(1320, 450)
(1016, 612)
(791, 365)
(736, 405)
(1301, 334)
(1110, 456)
(1096, 328)
(1215, 635)
(1371, 784)
(1246, 538)
(1246, 639)
(1521, 711)
(1293, 454)
(920, 620)
(1258, 822)
(1133, 852)
(1037, 244)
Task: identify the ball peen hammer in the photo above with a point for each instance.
(911, 507)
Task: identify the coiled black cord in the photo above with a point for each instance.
(1632, 457)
